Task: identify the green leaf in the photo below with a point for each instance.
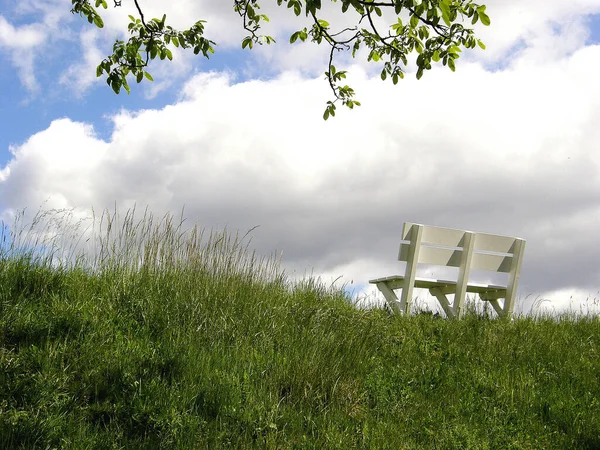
(481, 44)
(98, 21)
(326, 114)
(484, 19)
(116, 85)
(99, 70)
(139, 77)
(323, 23)
(398, 6)
(148, 76)
(414, 21)
(294, 37)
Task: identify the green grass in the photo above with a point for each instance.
(171, 339)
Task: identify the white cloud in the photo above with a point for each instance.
(79, 76)
(517, 25)
(21, 38)
(510, 152)
(20, 43)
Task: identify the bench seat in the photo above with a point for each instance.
(447, 287)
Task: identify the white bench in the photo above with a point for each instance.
(455, 248)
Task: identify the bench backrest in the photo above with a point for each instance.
(463, 249)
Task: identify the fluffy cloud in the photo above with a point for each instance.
(506, 145)
(82, 74)
(20, 42)
(510, 152)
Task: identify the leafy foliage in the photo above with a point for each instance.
(432, 28)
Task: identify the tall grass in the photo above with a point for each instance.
(138, 332)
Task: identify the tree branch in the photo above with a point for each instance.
(140, 12)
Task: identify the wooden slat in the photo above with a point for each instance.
(379, 280)
(427, 283)
(433, 255)
(447, 237)
(447, 286)
(443, 236)
(395, 283)
(491, 243)
(451, 258)
(493, 263)
(450, 237)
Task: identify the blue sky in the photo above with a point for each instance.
(507, 144)
(23, 115)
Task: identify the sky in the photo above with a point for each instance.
(508, 144)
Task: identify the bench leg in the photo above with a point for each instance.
(437, 292)
(391, 298)
(504, 310)
(497, 307)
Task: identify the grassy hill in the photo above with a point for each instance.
(166, 339)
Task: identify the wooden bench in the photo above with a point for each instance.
(455, 248)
